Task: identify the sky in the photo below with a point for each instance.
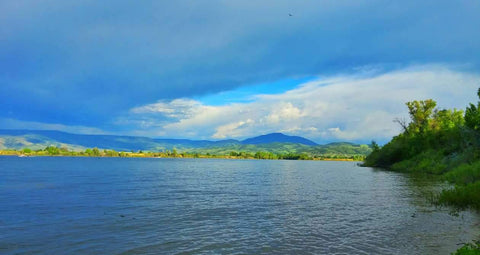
(324, 70)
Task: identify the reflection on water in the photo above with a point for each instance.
(131, 206)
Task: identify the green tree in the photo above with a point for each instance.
(374, 146)
(472, 115)
(447, 119)
(52, 150)
(111, 153)
(420, 114)
(265, 155)
(95, 152)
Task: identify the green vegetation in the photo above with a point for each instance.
(290, 150)
(469, 249)
(95, 152)
(338, 151)
(441, 142)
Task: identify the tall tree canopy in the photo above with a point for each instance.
(420, 113)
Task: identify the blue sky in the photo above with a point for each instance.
(248, 92)
(233, 69)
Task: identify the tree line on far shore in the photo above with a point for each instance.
(96, 152)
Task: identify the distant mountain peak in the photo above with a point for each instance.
(278, 138)
(126, 143)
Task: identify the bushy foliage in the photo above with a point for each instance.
(52, 150)
(265, 155)
(427, 162)
(462, 196)
(420, 114)
(464, 174)
(447, 119)
(469, 249)
(442, 142)
(442, 131)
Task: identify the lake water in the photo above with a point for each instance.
(61, 205)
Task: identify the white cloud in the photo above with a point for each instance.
(349, 107)
(176, 108)
(232, 129)
(7, 123)
(284, 112)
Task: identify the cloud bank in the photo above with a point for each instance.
(347, 108)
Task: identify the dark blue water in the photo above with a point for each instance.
(199, 206)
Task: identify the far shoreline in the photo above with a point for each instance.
(143, 155)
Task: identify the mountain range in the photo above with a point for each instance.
(274, 142)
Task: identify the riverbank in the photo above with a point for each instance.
(440, 142)
(234, 155)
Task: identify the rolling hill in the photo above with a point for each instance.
(275, 142)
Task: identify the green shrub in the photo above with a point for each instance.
(464, 174)
(469, 249)
(462, 196)
(428, 162)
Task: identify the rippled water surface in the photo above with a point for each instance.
(199, 206)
